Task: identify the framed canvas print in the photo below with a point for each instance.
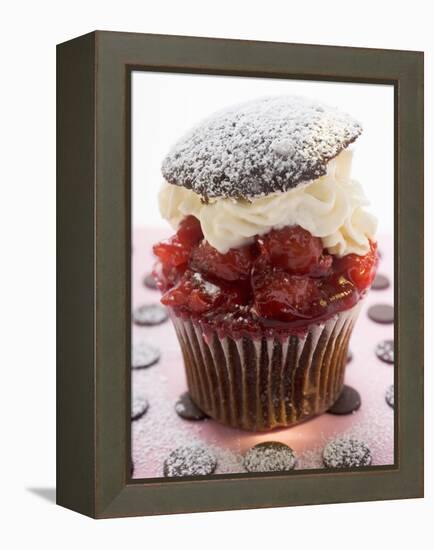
(240, 274)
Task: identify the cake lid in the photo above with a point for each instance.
(264, 146)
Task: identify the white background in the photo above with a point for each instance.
(165, 106)
(29, 32)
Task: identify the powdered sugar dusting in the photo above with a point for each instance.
(208, 287)
(189, 460)
(385, 351)
(347, 453)
(263, 146)
(269, 457)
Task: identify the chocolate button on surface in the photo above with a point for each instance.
(385, 351)
(150, 315)
(348, 401)
(139, 406)
(194, 460)
(390, 396)
(186, 408)
(149, 281)
(381, 282)
(346, 453)
(269, 456)
(144, 355)
(381, 313)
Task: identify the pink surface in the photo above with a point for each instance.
(160, 430)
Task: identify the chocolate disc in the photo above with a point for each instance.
(381, 313)
(269, 456)
(347, 402)
(144, 356)
(150, 314)
(346, 453)
(139, 406)
(381, 282)
(186, 460)
(390, 396)
(187, 409)
(149, 281)
(385, 351)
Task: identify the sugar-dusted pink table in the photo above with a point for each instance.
(161, 430)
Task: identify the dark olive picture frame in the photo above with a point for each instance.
(93, 281)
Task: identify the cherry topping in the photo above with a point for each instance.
(338, 293)
(278, 295)
(176, 250)
(166, 275)
(199, 295)
(232, 266)
(193, 292)
(284, 277)
(171, 252)
(189, 232)
(324, 266)
(359, 269)
(293, 249)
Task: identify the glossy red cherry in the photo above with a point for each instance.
(338, 293)
(278, 295)
(292, 248)
(171, 252)
(324, 267)
(167, 276)
(176, 251)
(360, 270)
(233, 266)
(189, 232)
(193, 292)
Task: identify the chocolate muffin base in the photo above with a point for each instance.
(262, 384)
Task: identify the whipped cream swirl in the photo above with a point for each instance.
(330, 207)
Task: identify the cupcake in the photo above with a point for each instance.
(272, 256)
